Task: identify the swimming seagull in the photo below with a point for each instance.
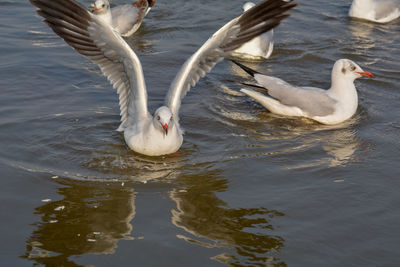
(125, 19)
(90, 36)
(380, 11)
(259, 47)
(331, 106)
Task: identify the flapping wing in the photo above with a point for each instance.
(312, 100)
(257, 20)
(100, 43)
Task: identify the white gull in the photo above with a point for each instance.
(90, 36)
(125, 19)
(331, 106)
(259, 47)
(380, 11)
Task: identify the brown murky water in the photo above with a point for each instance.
(247, 188)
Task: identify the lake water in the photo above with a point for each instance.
(247, 188)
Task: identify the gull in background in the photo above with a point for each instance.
(125, 19)
(331, 106)
(380, 11)
(90, 36)
(259, 47)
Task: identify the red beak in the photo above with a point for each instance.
(96, 9)
(366, 74)
(165, 127)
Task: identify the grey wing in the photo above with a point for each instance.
(313, 101)
(257, 20)
(100, 43)
(124, 18)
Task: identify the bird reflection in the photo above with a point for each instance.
(126, 165)
(90, 219)
(339, 143)
(245, 233)
(361, 30)
(341, 146)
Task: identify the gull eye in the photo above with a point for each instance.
(158, 118)
(104, 5)
(353, 68)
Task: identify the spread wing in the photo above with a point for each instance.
(257, 20)
(100, 43)
(312, 100)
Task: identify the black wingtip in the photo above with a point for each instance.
(246, 69)
(259, 87)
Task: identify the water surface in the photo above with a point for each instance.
(247, 188)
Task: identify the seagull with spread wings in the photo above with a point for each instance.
(90, 36)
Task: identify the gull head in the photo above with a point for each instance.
(163, 119)
(247, 6)
(350, 70)
(100, 6)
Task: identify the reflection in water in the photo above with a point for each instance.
(209, 222)
(361, 30)
(362, 43)
(91, 219)
(341, 146)
(125, 164)
(339, 143)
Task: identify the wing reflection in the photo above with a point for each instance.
(90, 219)
(245, 233)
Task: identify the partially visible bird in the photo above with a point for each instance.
(125, 19)
(380, 11)
(258, 48)
(331, 106)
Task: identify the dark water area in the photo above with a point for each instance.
(247, 188)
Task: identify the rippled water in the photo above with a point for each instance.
(247, 188)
